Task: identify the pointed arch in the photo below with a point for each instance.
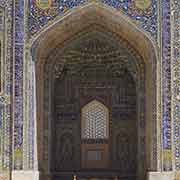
(95, 16)
(83, 18)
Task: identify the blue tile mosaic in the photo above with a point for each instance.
(18, 84)
(38, 18)
(145, 18)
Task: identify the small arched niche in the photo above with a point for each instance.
(94, 121)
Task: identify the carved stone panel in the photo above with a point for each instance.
(66, 151)
(124, 147)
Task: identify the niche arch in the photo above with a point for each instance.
(94, 111)
(98, 18)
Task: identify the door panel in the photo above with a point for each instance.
(95, 156)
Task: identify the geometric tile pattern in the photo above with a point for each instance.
(2, 17)
(144, 15)
(18, 84)
(166, 86)
(175, 27)
(6, 83)
(95, 121)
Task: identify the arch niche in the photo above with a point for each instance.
(48, 48)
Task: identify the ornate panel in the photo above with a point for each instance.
(124, 148)
(6, 83)
(175, 68)
(166, 87)
(18, 84)
(67, 147)
(2, 35)
(95, 121)
(87, 78)
(126, 153)
(143, 13)
(41, 17)
(2, 47)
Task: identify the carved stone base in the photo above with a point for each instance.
(5, 176)
(45, 176)
(25, 175)
(161, 175)
(177, 176)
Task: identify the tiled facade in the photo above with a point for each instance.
(21, 21)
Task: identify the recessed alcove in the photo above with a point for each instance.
(94, 108)
(103, 59)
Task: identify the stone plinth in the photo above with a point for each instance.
(177, 176)
(25, 175)
(161, 176)
(5, 176)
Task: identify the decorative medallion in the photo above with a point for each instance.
(44, 4)
(142, 4)
(142, 12)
